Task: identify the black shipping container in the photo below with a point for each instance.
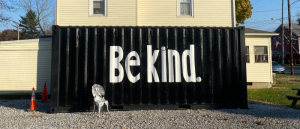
(148, 67)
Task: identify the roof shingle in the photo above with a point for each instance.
(295, 28)
(248, 30)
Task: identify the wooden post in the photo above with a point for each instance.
(291, 38)
(18, 30)
(282, 35)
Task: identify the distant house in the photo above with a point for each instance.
(259, 58)
(277, 49)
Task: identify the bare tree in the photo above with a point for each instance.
(5, 7)
(8, 35)
(44, 11)
(48, 26)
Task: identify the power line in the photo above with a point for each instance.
(268, 10)
(259, 22)
(256, 2)
(262, 25)
(295, 2)
(264, 21)
(273, 28)
(264, 4)
(263, 30)
(272, 10)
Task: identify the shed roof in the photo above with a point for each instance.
(249, 31)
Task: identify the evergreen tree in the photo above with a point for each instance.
(28, 26)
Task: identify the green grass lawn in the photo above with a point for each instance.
(285, 76)
(298, 80)
(282, 82)
(287, 65)
(273, 95)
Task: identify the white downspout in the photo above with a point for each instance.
(233, 13)
(56, 14)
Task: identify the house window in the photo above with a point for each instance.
(288, 40)
(294, 40)
(247, 55)
(185, 8)
(274, 40)
(98, 7)
(279, 39)
(261, 54)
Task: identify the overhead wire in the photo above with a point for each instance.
(262, 25)
(272, 10)
(295, 2)
(256, 2)
(263, 22)
(273, 28)
(257, 21)
(264, 5)
(254, 23)
(259, 24)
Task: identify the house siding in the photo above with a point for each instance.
(287, 47)
(259, 72)
(164, 13)
(76, 13)
(145, 13)
(25, 64)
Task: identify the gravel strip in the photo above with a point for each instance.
(14, 115)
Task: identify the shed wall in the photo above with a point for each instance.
(259, 72)
(25, 64)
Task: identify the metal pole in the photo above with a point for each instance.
(282, 36)
(291, 38)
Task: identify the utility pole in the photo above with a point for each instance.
(282, 35)
(291, 37)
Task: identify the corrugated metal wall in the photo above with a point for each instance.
(83, 56)
(25, 64)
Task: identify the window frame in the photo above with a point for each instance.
(294, 40)
(91, 8)
(248, 53)
(179, 12)
(261, 54)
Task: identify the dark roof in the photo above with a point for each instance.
(248, 30)
(295, 28)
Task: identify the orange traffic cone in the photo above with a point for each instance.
(45, 95)
(33, 102)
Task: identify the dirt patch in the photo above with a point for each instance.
(291, 80)
(278, 87)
